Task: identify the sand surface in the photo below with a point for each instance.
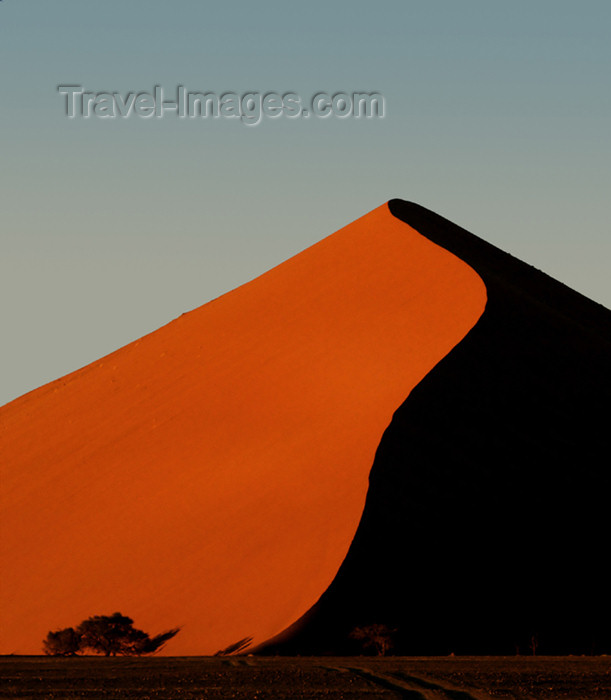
(212, 474)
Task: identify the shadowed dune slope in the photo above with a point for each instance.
(487, 517)
(213, 473)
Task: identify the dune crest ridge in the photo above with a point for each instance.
(213, 473)
(485, 528)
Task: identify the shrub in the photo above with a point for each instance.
(111, 635)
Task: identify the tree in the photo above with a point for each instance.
(110, 635)
(378, 637)
(64, 642)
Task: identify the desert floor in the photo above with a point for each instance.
(458, 678)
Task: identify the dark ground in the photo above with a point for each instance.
(454, 678)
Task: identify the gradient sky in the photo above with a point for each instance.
(498, 117)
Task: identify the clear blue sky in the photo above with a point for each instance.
(498, 117)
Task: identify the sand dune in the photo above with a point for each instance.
(487, 519)
(212, 474)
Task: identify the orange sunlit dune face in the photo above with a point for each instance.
(212, 474)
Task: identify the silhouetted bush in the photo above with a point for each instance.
(111, 635)
(64, 642)
(378, 637)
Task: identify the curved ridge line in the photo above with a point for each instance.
(285, 634)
